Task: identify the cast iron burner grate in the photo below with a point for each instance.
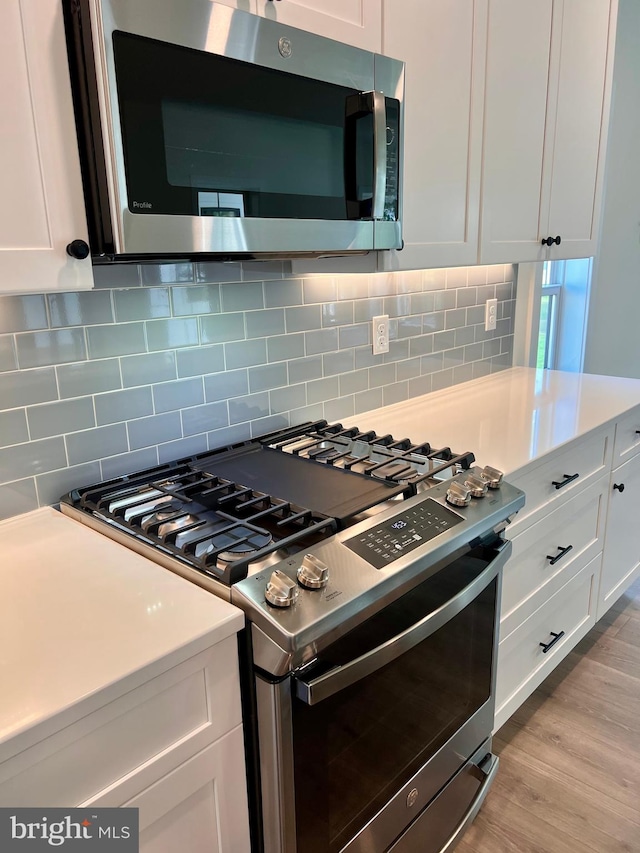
(206, 521)
(379, 456)
(228, 511)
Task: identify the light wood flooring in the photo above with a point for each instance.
(569, 775)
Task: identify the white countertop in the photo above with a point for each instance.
(79, 613)
(510, 418)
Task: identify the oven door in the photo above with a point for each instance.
(228, 133)
(356, 746)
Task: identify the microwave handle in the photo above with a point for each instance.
(337, 679)
(357, 106)
(379, 154)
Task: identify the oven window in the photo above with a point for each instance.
(205, 135)
(356, 749)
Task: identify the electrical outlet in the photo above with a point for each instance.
(380, 333)
(490, 314)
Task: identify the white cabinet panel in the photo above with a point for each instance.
(356, 22)
(522, 661)
(580, 119)
(519, 47)
(547, 554)
(41, 203)
(621, 559)
(547, 103)
(443, 45)
(201, 807)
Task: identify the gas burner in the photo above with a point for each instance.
(399, 472)
(230, 512)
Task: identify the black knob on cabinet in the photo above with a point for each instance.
(619, 486)
(557, 241)
(78, 249)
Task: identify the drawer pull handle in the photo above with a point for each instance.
(568, 478)
(619, 486)
(560, 555)
(556, 637)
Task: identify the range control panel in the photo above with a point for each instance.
(380, 546)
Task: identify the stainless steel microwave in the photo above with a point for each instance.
(209, 131)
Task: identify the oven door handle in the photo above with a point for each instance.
(317, 689)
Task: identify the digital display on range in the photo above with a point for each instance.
(381, 545)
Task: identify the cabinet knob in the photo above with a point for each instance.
(78, 249)
(619, 486)
(549, 241)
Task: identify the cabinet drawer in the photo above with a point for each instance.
(540, 563)
(627, 441)
(136, 738)
(522, 661)
(551, 483)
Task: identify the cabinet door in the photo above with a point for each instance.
(518, 52)
(621, 558)
(356, 22)
(581, 107)
(443, 45)
(201, 807)
(41, 203)
(546, 113)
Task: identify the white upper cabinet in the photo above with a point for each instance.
(41, 202)
(356, 22)
(547, 97)
(443, 44)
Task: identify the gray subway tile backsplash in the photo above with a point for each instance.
(172, 334)
(60, 418)
(263, 324)
(8, 360)
(97, 443)
(198, 361)
(18, 497)
(121, 339)
(146, 432)
(89, 377)
(80, 309)
(33, 457)
(13, 427)
(173, 396)
(148, 368)
(142, 303)
(119, 406)
(216, 328)
(231, 383)
(38, 349)
(25, 387)
(22, 313)
(184, 357)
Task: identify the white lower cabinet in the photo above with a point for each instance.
(534, 648)
(576, 549)
(171, 747)
(201, 806)
(621, 560)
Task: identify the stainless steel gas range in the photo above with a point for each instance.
(369, 570)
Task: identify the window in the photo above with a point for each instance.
(551, 314)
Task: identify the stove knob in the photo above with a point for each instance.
(313, 573)
(476, 485)
(458, 495)
(281, 591)
(492, 476)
